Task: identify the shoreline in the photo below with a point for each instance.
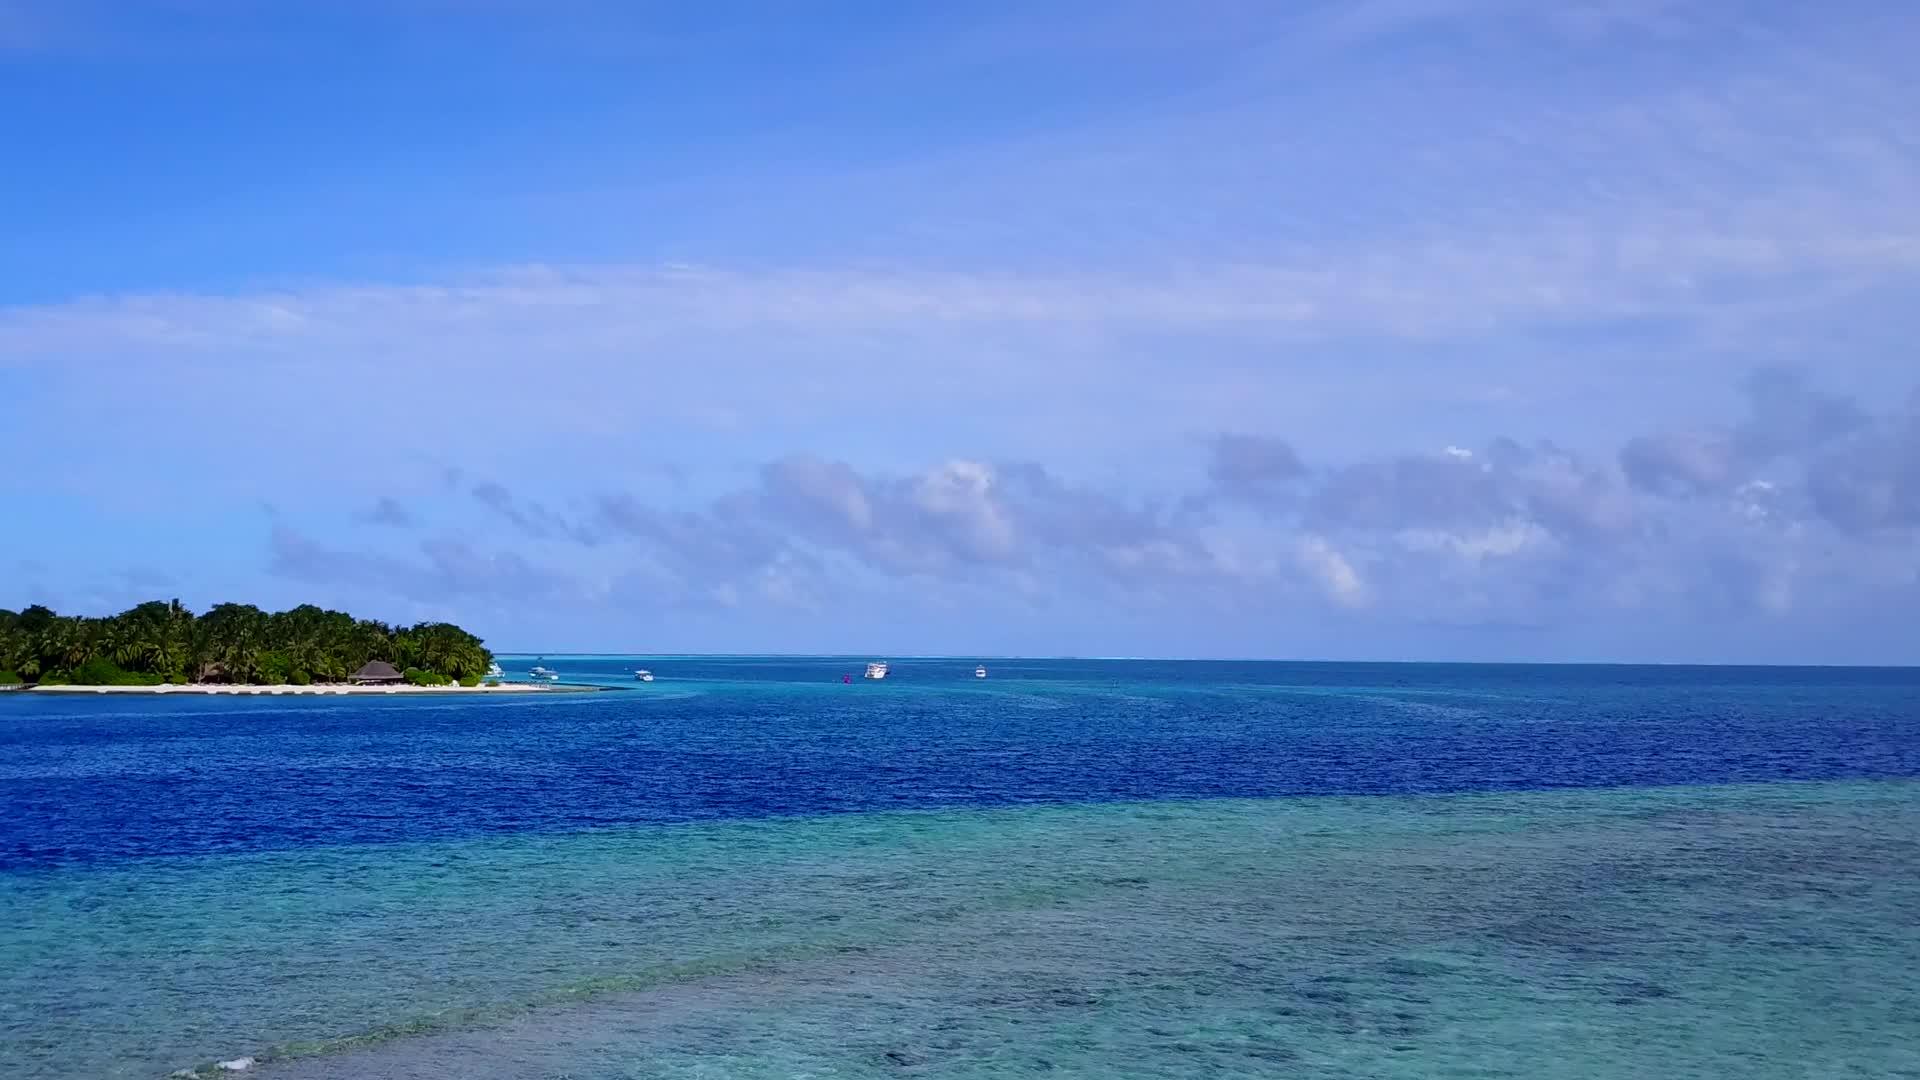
(327, 690)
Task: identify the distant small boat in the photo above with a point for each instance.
(980, 672)
(643, 675)
(539, 672)
(494, 671)
(877, 669)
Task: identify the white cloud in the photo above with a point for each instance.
(960, 495)
(1509, 538)
(1335, 575)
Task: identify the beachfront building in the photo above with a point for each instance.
(376, 673)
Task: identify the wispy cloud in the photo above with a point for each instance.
(1434, 288)
(445, 571)
(1218, 252)
(387, 510)
(1421, 206)
(529, 516)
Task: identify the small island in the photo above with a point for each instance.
(162, 646)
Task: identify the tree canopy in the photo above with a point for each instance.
(163, 641)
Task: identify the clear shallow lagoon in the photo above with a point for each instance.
(749, 869)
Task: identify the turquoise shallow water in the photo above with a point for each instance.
(1760, 930)
(1217, 870)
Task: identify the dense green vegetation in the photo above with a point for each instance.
(161, 641)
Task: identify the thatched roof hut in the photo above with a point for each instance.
(376, 672)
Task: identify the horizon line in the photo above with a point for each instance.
(982, 658)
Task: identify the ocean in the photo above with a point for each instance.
(752, 869)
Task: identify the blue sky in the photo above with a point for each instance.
(1402, 329)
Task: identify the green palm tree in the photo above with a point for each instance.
(53, 648)
(126, 642)
(162, 653)
(165, 638)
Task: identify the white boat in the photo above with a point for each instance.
(877, 669)
(539, 672)
(980, 672)
(643, 675)
(494, 671)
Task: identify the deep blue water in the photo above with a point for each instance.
(87, 780)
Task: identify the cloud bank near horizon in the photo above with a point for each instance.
(1802, 510)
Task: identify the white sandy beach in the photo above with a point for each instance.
(287, 688)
